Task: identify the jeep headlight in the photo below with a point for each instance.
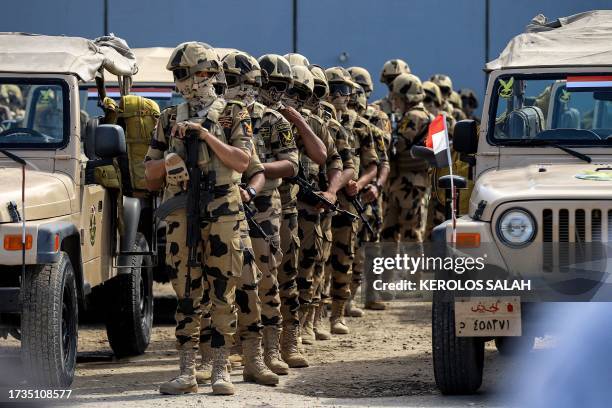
(516, 227)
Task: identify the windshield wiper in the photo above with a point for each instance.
(543, 142)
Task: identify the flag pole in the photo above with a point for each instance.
(450, 171)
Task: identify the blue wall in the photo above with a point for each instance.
(433, 36)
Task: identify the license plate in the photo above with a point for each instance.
(488, 316)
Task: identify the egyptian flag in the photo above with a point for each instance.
(437, 140)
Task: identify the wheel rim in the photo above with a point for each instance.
(68, 330)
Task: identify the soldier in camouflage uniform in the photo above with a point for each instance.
(434, 104)
(309, 212)
(408, 188)
(225, 149)
(446, 89)
(278, 73)
(391, 69)
(470, 104)
(373, 191)
(322, 275)
(243, 77)
(457, 104)
(344, 230)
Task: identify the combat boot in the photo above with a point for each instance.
(338, 326)
(306, 325)
(289, 347)
(186, 381)
(204, 369)
(255, 369)
(272, 356)
(351, 309)
(220, 378)
(318, 327)
(375, 305)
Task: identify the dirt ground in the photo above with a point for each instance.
(385, 361)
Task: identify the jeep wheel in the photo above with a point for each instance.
(49, 323)
(458, 361)
(514, 346)
(129, 319)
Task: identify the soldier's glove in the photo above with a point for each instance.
(176, 171)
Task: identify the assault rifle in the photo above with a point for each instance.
(310, 196)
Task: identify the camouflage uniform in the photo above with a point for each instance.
(309, 227)
(322, 275)
(223, 247)
(274, 141)
(345, 230)
(409, 184)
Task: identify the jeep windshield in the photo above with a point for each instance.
(557, 109)
(165, 96)
(34, 113)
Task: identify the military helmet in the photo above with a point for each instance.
(432, 91)
(391, 69)
(296, 59)
(360, 99)
(468, 97)
(339, 81)
(191, 57)
(444, 83)
(239, 68)
(362, 77)
(409, 86)
(455, 100)
(303, 83)
(321, 87)
(276, 72)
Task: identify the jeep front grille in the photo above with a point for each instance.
(576, 225)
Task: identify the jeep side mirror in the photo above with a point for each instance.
(425, 153)
(465, 137)
(110, 141)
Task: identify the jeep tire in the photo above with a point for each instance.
(129, 316)
(458, 361)
(49, 324)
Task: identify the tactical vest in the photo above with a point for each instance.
(207, 160)
(310, 168)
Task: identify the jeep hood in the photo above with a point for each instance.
(46, 195)
(537, 182)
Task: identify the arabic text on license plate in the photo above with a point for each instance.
(488, 316)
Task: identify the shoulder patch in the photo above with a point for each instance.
(243, 114)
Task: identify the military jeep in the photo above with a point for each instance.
(541, 163)
(63, 234)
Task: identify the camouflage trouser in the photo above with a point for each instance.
(322, 275)
(247, 298)
(363, 237)
(405, 216)
(311, 241)
(287, 273)
(222, 257)
(268, 255)
(343, 252)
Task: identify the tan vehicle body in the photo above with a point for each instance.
(535, 178)
(55, 192)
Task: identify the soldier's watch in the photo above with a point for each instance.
(252, 192)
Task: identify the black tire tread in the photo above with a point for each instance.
(122, 320)
(458, 361)
(41, 316)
